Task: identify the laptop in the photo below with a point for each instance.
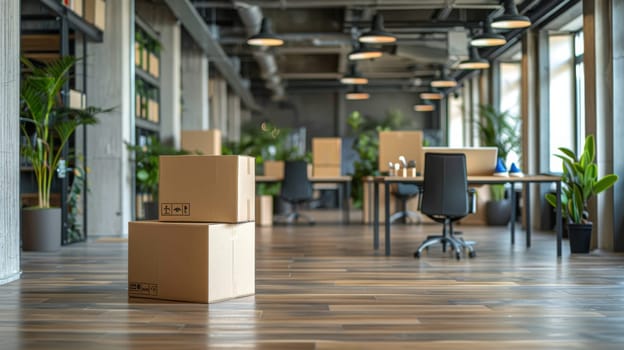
(479, 160)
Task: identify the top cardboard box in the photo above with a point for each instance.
(207, 189)
(326, 150)
(208, 142)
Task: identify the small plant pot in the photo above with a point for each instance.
(498, 212)
(580, 238)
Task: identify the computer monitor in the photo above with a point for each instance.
(479, 160)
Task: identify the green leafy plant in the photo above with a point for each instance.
(367, 147)
(147, 160)
(76, 191)
(500, 130)
(45, 122)
(580, 182)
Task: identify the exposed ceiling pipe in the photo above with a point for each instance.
(378, 4)
(251, 16)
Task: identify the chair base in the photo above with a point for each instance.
(294, 217)
(457, 243)
(404, 215)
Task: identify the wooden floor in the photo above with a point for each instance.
(324, 287)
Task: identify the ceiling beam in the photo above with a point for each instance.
(198, 30)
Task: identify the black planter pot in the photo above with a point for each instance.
(497, 213)
(580, 237)
(41, 229)
(150, 210)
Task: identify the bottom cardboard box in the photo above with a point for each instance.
(194, 262)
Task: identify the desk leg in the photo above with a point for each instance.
(375, 215)
(346, 193)
(527, 213)
(387, 215)
(558, 218)
(513, 214)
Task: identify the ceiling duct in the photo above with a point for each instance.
(251, 16)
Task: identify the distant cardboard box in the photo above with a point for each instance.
(193, 262)
(207, 188)
(393, 144)
(208, 142)
(326, 170)
(326, 151)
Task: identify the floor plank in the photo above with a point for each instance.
(323, 287)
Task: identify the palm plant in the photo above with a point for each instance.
(46, 122)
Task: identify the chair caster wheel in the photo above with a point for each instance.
(472, 254)
(458, 256)
(417, 254)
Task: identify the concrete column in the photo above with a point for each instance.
(9, 141)
(195, 110)
(109, 83)
(617, 36)
(161, 19)
(599, 93)
(233, 118)
(218, 108)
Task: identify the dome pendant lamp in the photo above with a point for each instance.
(357, 94)
(431, 95)
(265, 37)
(377, 34)
(488, 37)
(474, 61)
(353, 77)
(443, 81)
(510, 19)
(364, 53)
(424, 106)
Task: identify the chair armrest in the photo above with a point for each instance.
(420, 193)
(472, 201)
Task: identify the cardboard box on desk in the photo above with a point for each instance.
(393, 144)
(207, 189)
(326, 151)
(326, 170)
(208, 142)
(194, 262)
(274, 168)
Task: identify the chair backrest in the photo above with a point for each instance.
(296, 186)
(445, 188)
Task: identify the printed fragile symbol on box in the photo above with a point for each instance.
(140, 288)
(175, 209)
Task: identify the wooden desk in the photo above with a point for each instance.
(472, 180)
(344, 183)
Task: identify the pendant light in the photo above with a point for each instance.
(353, 77)
(377, 34)
(364, 53)
(265, 37)
(488, 38)
(356, 93)
(434, 94)
(474, 61)
(443, 81)
(424, 106)
(510, 19)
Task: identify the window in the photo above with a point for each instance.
(579, 66)
(562, 90)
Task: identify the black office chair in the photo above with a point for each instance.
(296, 189)
(446, 198)
(403, 193)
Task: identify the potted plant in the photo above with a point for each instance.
(147, 160)
(580, 182)
(500, 130)
(47, 125)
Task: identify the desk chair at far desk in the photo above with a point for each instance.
(472, 180)
(344, 183)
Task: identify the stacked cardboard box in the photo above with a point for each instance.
(95, 13)
(326, 156)
(202, 249)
